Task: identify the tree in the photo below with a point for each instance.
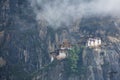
(72, 60)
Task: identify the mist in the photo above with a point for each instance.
(59, 12)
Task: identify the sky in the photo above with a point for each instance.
(58, 12)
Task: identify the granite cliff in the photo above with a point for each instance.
(25, 45)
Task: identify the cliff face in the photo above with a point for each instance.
(102, 64)
(21, 45)
(25, 46)
(95, 64)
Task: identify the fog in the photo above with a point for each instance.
(59, 12)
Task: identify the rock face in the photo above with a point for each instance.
(20, 43)
(100, 64)
(25, 45)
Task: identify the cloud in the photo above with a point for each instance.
(58, 12)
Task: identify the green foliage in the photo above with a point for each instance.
(73, 60)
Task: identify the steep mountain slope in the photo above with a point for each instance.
(20, 42)
(25, 45)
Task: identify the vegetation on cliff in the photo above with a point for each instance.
(74, 60)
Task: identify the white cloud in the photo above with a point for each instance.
(57, 12)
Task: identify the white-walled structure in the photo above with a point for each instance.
(59, 55)
(62, 55)
(94, 42)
